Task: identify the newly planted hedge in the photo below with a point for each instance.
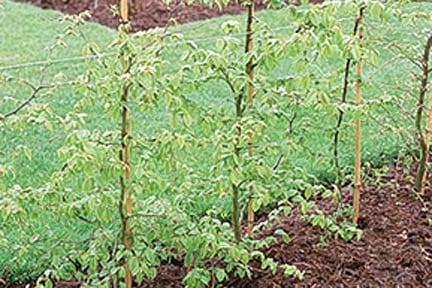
(205, 166)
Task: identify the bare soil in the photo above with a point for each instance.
(146, 13)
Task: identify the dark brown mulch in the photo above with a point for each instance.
(147, 14)
(395, 251)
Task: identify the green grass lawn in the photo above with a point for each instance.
(26, 31)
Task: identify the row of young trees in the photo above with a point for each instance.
(206, 148)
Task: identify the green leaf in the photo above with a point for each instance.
(376, 9)
(292, 271)
(308, 192)
(283, 234)
(326, 194)
(220, 274)
(235, 178)
(230, 26)
(297, 199)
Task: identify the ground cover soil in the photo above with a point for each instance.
(395, 251)
(147, 14)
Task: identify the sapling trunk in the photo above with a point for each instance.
(341, 111)
(358, 98)
(125, 178)
(250, 93)
(427, 139)
(421, 172)
(236, 186)
(236, 151)
(239, 114)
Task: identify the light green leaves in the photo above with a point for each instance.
(376, 9)
(221, 275)
(281, 233)
(292, 271)
(230, 26)
(197, 278)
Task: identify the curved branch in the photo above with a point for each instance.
(419, 115)
(35, 92)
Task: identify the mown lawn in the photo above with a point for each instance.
(25, 32)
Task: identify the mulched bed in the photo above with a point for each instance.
(395, 251)
(147, 14)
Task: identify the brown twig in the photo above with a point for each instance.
(419, 116)
(34, 94)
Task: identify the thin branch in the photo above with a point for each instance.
(82, 218)
(419, 115)
(402, 51)
(291, 123)
(227, 80)
(35, 91)
(21, 106)
(278, 162)
(140, 214)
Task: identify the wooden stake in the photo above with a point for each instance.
(358, 99)
(124, 11)
(251, 94)
(125, 178)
